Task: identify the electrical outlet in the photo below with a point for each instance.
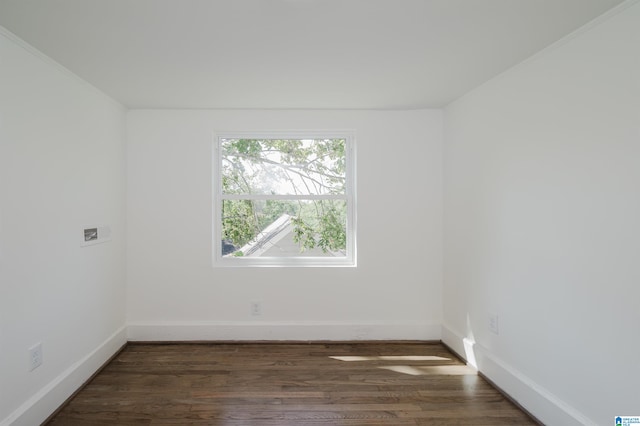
(256, 309)
(35, 356)
(493, 323)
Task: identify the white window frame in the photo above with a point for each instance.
(303, 261)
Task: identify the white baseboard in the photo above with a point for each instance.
(36, 409)
(541, 403)
(305, 331)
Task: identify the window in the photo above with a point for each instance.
(284, 199)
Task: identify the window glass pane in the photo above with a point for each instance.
(284, 228)
(283, 166)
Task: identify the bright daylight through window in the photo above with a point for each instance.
(284, 200)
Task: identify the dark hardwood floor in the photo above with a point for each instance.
(301, 384)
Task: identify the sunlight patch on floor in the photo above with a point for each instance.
(391, 358)
(442, 370)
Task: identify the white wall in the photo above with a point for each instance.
(61, 167)
(542, 167)
(175, 293)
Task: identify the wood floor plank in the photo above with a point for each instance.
(283, 384)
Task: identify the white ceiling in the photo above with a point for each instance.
(292, 53)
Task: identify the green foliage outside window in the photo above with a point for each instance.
(297, 169)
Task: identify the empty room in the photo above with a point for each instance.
(200, 215)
